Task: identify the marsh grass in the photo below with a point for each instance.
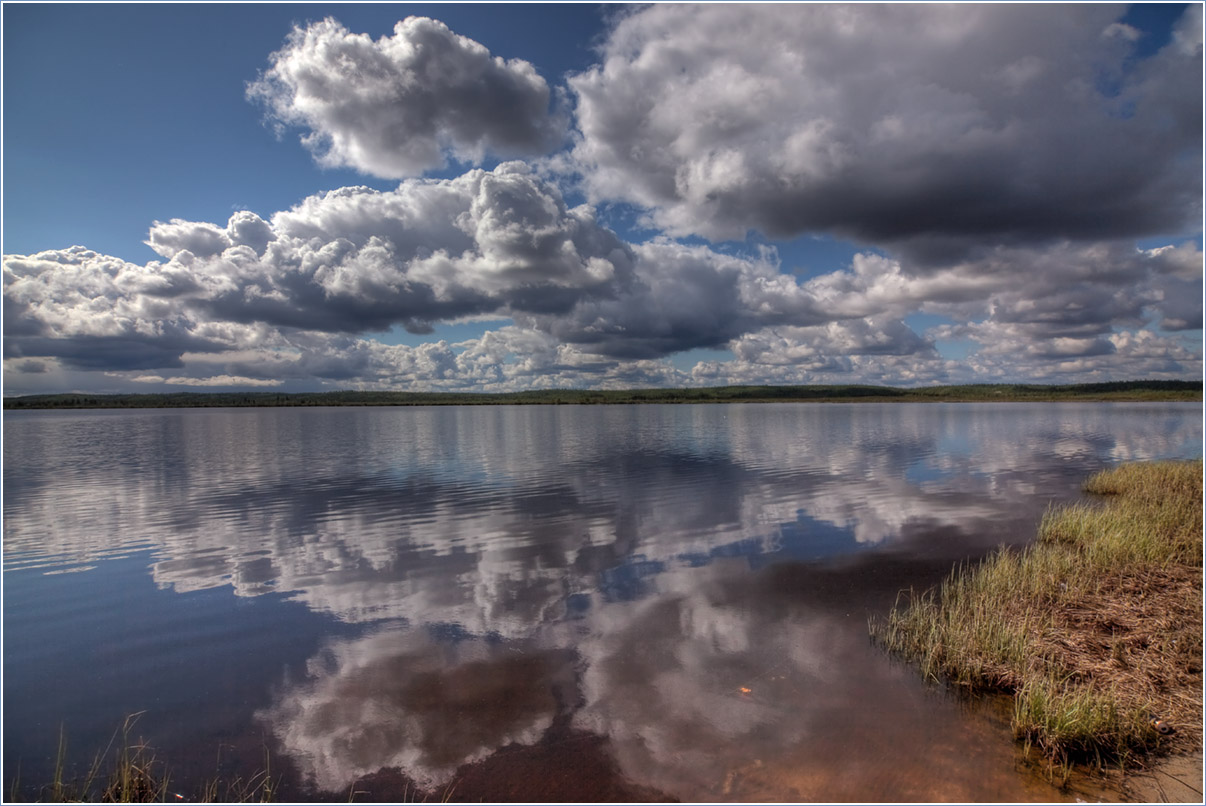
(127, 771)
(133, 776)
(259, 787)
(1096, 628)
(409, 795)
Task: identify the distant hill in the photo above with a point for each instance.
(1117, 391)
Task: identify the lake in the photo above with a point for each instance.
(525, 603)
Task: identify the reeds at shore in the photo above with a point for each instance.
(1096, 628)
(127, 771)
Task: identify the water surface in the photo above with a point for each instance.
(668, 601)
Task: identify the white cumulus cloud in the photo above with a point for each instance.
(400, 105)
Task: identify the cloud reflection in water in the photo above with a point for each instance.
(625, 568)
(402, 698)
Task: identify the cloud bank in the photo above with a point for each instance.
(587, 308)
(998, 165)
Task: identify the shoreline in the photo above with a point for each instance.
(1121, 391)
(1095, 628)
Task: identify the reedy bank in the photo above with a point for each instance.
(1096, 628)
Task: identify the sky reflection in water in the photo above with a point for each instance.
(691, 582)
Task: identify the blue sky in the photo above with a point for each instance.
(137, 112)
(598, 196)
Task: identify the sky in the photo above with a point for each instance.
(500, 197)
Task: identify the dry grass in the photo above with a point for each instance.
(1096, 628)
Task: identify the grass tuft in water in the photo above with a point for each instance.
(135, 776)
(1096, 628)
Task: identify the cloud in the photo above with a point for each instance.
(506, 359)
(684, 297)
(400, 105)
(1001, 159)
(202, 239)
(1084, 292)
(1176, 294)
(356, 259)
(793, 345)
(1062, 289)
(929, 128)
(589, 309)
(347, 261)
(94, 311)
(30, 367)
(1011, 350)
(213, 380)
(352, 260)
(1034, 313)
(197, 238)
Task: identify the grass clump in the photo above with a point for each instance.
(1078, 721)
(134, 775)
(1096, 628)
(126, 771)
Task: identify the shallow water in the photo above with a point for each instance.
(568, 603)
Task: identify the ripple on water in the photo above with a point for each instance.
(685, 586)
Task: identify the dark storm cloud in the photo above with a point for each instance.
(18, 320)
(1180, 304)
(398, 106)
(101, 352)
(682, 298)
(930, 127)
(1177, 286)
(31, 367)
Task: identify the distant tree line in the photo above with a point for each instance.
(1119, 390)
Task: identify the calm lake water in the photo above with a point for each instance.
(526, 603)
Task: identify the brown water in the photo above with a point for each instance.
(526, 603)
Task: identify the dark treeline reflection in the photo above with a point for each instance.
(688, 582)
